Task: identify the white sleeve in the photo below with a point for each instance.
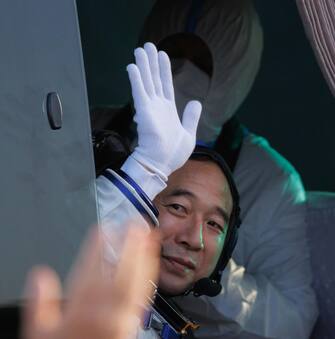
(151, 182)
(115, 210)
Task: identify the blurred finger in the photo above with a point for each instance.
(147, 267)
(143, 65)
(140, 259)
(88, 267)
(152, 53)
(42, 312)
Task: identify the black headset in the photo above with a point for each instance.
(211, 286)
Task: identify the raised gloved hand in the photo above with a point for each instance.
(164, 142)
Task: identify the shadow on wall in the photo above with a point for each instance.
(290, 103)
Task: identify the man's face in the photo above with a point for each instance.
(194, 213)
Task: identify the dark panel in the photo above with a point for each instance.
(109, 32)
(290, 102)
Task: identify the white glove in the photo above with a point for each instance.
(164, 143)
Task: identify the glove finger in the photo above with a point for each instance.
(137, 88)
(166, 75)
(152, 53)
(191, 116)
(142, 63)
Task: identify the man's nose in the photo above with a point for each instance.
(192, 234)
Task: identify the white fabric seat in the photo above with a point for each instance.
(321, 236)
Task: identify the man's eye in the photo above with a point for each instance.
(215, 226)
(176, 208)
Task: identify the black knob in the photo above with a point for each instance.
(54, 110)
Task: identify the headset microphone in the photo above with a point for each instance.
(206, 286)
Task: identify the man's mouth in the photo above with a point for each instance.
(180, 263)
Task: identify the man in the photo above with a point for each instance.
(198, 208)
(194, 214)
(215, 48)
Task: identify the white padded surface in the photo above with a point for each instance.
(321, 235)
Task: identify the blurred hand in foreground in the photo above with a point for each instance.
(96, 306)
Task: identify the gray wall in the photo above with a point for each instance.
(47, 200)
